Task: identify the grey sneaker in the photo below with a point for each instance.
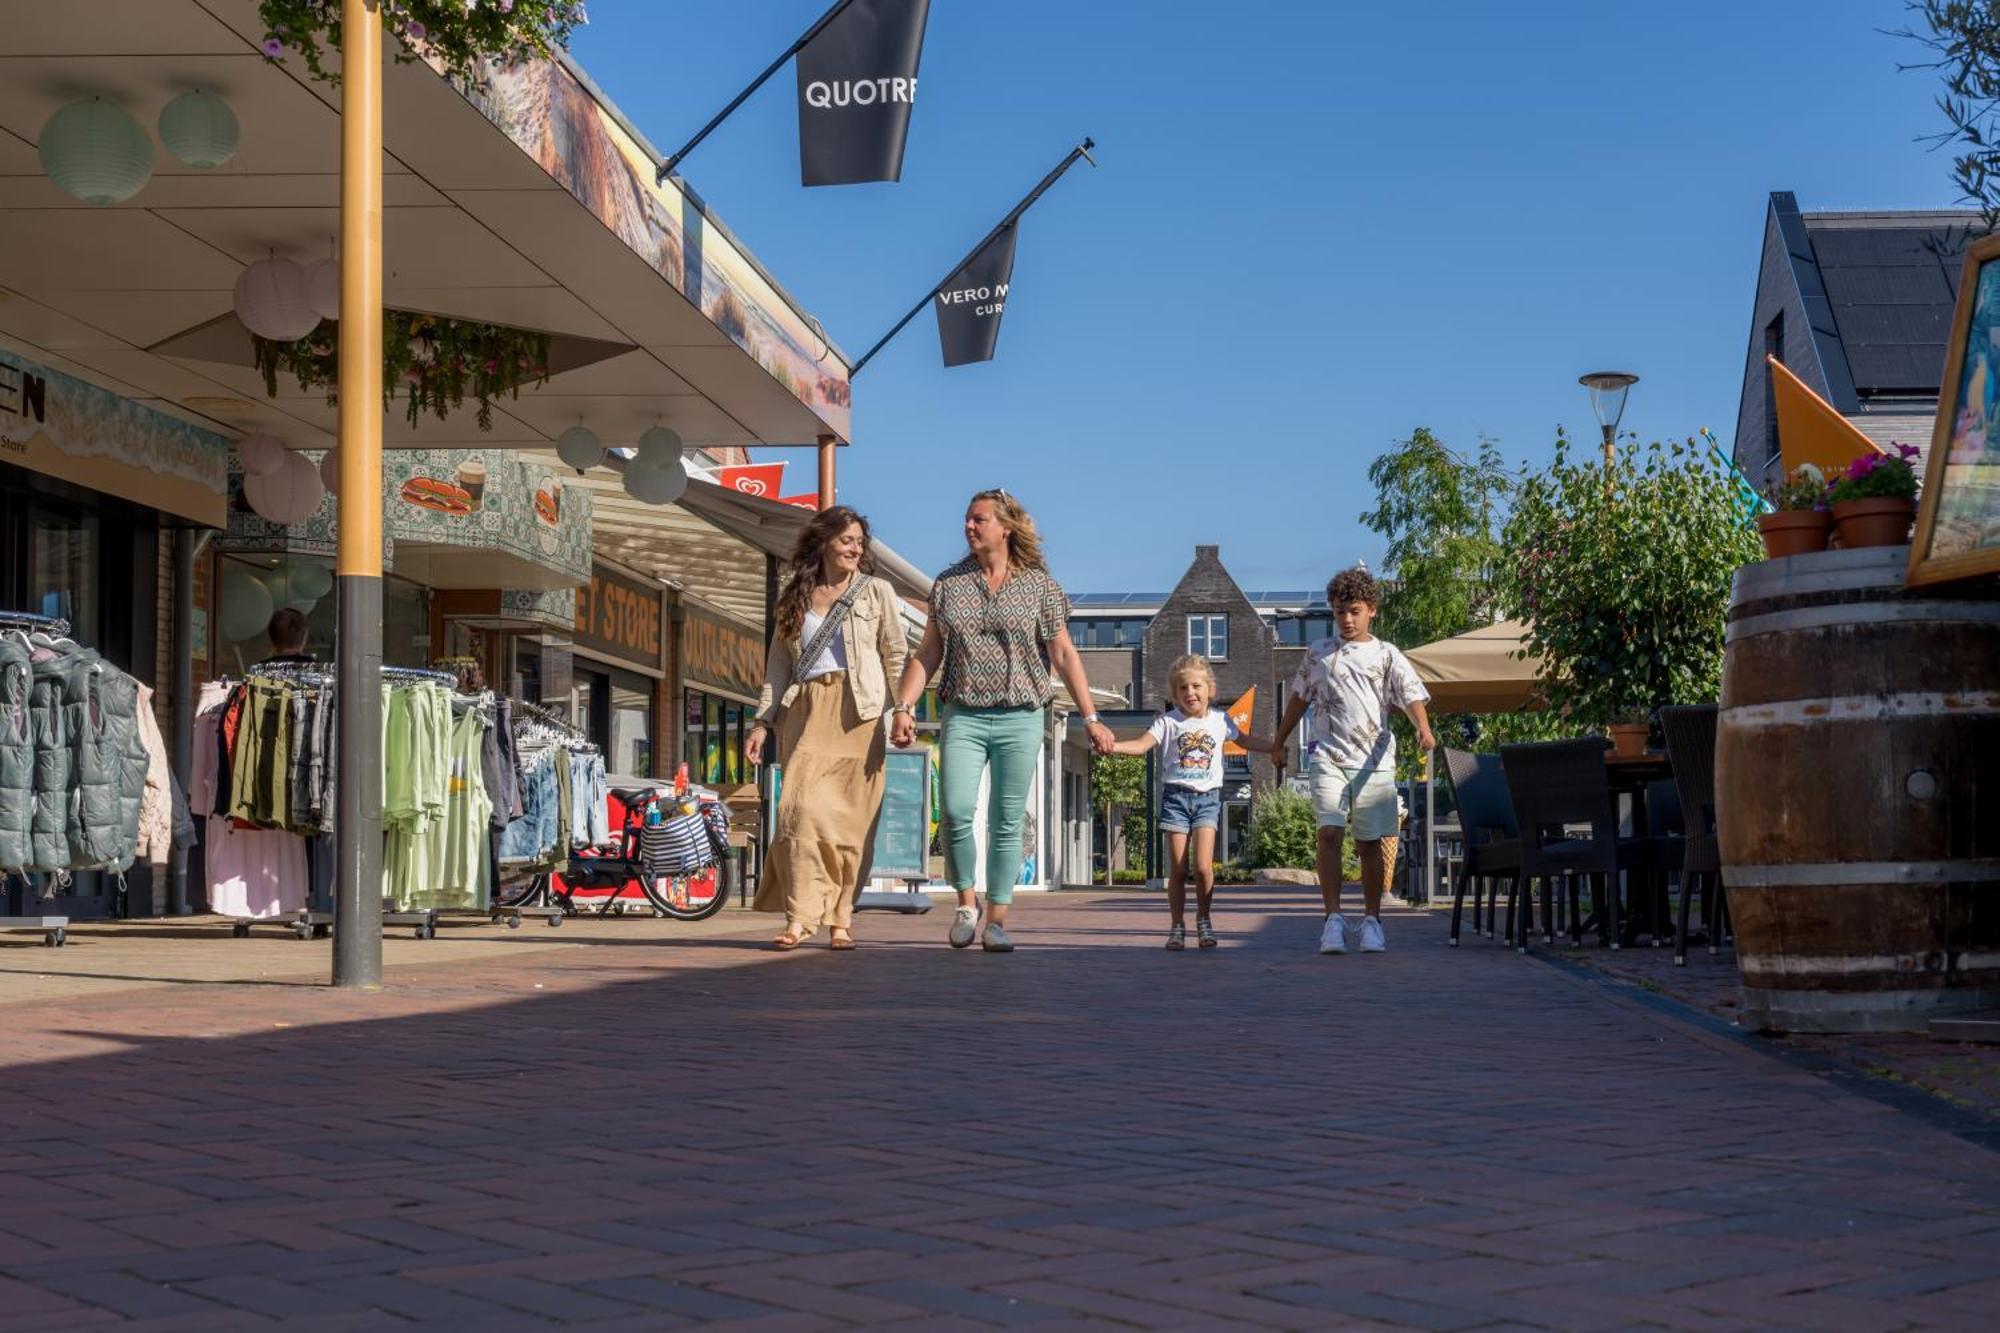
(995, 939)
(964, 927)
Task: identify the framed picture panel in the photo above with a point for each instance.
(1958, 522)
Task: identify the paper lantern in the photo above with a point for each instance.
(656, 485)
(580, 448)
(329, 470)
(270, 299)
(260, 455)
(93, 151)
(200, 129)
(311, 579)
(288, 496)
(246, 606)
(323, 288)
(303, 605)
(659, 446)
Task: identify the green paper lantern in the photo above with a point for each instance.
(199, 129)
(93, 151)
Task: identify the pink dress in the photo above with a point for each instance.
(254, 873)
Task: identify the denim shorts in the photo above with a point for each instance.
(1183, 809)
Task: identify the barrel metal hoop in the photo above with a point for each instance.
(1865, 613)
(1820, 874)
(1862, 708)
(1821, 571)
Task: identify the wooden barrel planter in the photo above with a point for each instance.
(1858, 793)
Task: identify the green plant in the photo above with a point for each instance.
(434, 360)
(459, 33)
(1965, 36)
(1622, 571)
(1118, 782)
(1282, 830)
(1802, 492)
(1230, 872)
(1119, 877)
(1877, 477)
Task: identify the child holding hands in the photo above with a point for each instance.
(1190, 737)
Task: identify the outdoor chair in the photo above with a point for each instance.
(1691, 747)
(1651, 859)
(1492, 841)
(1569, 830)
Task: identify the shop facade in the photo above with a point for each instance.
(620, 693)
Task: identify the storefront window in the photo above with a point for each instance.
(252, 586)
(615, 709)
(713, 739)
(62, 569)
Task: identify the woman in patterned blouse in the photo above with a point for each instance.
(998, 632)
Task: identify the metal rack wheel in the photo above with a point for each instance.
(514, 921)
(55, 939)
(240, 929)
(304, 930)
(322, 931)
(555, 919)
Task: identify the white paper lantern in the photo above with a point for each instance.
(271, 300)
(200, 129)
(261, 455)
(246, 606)
(288, 496)
(93, 151)
(329, 470)
(323, 288)
(656, 485)
(658, 446)
(312, 580)
(580, 448)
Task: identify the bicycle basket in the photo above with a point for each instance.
(677, 846)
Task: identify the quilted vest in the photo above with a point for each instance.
(17, 753)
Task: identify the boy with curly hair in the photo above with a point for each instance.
(1350, 683)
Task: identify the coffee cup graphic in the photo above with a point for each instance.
(472, 480)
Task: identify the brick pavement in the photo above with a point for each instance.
(646, 1126)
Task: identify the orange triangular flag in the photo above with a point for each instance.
(1240, 713)
(1809, 430)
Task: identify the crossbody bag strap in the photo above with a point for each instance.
(835, 616)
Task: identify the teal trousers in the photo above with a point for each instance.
(1008, 741)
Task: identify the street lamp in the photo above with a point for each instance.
(1607, 399)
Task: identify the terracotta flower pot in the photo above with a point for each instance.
(1794, 531)
(1883, 522)
(1628, 739)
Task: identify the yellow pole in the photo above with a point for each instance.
(357, 940)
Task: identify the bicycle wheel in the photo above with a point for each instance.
(679, 897)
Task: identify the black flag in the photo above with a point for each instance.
(857, 83)
(970, 303)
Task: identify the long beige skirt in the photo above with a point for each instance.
(824, 840)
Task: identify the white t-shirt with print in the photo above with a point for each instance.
(1191, 747)
(1351, 687)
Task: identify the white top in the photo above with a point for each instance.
(1351, 687)
(1191, 747)
(832, 659)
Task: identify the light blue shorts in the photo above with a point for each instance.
(1183, 809)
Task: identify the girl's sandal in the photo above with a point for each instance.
(1177, 938)
(1204, 933)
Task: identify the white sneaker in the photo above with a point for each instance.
(1333, 939)
(1371, 936)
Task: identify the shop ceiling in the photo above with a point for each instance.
(474, 228)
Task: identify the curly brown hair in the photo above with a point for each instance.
(808, 554)
(1353, 585)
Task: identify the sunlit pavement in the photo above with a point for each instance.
(638, 1124)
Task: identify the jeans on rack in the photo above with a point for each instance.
(533, 835)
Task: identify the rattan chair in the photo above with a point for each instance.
(1492, 842)
(1691, 747)
(1559, 787)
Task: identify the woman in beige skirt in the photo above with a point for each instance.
(828, 716)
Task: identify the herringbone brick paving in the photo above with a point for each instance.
(654, 1129)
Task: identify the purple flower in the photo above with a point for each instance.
(273, 48)
(1907, 451)
(418, 31)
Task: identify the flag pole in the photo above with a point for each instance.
(666, 168)
(1082, 150)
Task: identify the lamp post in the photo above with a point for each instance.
(1607, 400)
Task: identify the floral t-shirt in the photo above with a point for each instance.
(996, 644)
(1351, 688)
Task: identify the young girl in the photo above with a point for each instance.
(1190, 738)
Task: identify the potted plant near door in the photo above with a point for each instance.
(1799, 521)
(1628, 731)
(1875, 499)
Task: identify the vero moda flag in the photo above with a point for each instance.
(971, 301)
(857, 85)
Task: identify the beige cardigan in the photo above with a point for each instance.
(876, 651)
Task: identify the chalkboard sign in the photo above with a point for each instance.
(903, 835)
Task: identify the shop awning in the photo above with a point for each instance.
(1478, 671)
(531, 204)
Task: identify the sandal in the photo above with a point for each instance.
(841, 943)
(1177, 938)
(1204, 933)
(787, 942)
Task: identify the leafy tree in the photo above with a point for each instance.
(1440, 513)
(1964, 35)
(1622, 570)
(1118, 782)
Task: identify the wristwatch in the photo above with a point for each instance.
(1091, 719)
(903, 708)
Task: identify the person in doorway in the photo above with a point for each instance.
(288, 633)
(837, 644)
(1350, 683)
(1190, 737)
(998, 632)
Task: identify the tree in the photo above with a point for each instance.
(1440, 513)
(1622, 571)
(1965, 35)
(1117, 782)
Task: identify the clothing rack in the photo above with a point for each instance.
(53, 626)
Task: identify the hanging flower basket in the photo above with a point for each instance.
(462, 34)
(432, 361)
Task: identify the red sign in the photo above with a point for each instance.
(800, 501)
(752, 479)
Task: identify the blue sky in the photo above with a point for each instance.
(1316, 226)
